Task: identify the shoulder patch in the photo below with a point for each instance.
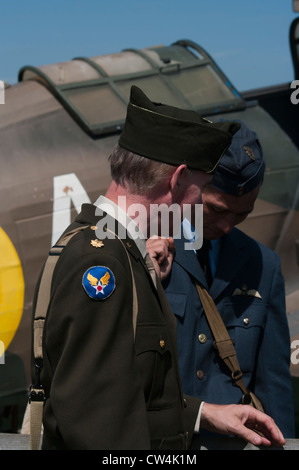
(98, 282)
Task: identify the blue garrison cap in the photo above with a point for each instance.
(241, 168)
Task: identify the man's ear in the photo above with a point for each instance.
(176, 178)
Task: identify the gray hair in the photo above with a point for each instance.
(136, 173)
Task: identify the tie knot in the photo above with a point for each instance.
(203, 252)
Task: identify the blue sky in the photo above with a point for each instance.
(249, 39)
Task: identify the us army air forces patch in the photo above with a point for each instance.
(98, 282)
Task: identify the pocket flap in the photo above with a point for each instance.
(177, 303)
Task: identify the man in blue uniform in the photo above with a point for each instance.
(244, 279)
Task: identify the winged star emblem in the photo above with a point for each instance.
(99, 284)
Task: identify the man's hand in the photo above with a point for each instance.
(244, 421)
(161, 251)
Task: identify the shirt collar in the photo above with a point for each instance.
(122, 217)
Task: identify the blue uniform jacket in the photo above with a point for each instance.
(248, 289)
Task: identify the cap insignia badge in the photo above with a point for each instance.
(249, 152)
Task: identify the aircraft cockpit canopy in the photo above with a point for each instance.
(95, 90)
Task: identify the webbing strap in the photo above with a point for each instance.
(223, 342)
(37, 394)
(36, 418)
(135, 299)
(45, 290)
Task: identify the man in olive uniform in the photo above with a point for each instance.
(110, 385)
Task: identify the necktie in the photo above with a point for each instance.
(151, 268)
(203, 257)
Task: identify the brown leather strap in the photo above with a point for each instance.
(223, 342)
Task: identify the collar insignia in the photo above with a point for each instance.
(97, 243)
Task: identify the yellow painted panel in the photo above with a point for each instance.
(11, 290)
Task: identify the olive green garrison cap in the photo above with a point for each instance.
(173, 135)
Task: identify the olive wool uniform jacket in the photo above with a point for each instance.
(248, 290)
(104, 389)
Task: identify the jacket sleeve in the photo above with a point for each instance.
(273, 381)
(191, 412)
(95, 390)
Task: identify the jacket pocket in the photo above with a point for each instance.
(246, 330)
(156, 365)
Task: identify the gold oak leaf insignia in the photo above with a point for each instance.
(97, 243)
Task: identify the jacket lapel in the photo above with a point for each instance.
(233, 255)
(189, 261)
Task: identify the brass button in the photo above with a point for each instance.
(162, 344)
(246, 321)
(200, 374)
(202, 338)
